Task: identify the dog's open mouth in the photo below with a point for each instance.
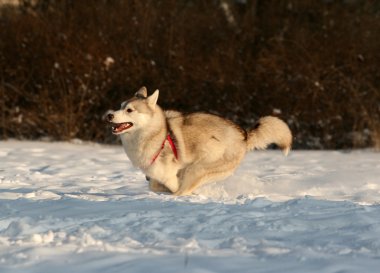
(118, 128)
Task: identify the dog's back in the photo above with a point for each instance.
(206, 137)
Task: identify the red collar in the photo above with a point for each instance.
(172, 145)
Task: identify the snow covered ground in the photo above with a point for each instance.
(82, 207)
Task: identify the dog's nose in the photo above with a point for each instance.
(110, 117)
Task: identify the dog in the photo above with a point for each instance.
(180, 152)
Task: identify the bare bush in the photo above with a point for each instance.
(313, 63)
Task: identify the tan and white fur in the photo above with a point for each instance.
(209, 147)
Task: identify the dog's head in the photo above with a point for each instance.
(134, 113)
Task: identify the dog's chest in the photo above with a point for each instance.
(132, 150)
(135, 151)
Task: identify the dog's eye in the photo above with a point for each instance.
(129, 110)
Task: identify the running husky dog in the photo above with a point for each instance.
(178, 152)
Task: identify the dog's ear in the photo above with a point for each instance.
(152, 99)
(142, 93)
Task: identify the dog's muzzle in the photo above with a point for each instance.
(118, 128)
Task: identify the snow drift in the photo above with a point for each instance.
(82, 207)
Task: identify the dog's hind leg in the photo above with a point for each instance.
(198, 174)
(156, 186)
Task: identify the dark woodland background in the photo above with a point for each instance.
(315, 64)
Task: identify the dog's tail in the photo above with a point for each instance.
(270, 130)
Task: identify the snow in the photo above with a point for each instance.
(82, 207)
